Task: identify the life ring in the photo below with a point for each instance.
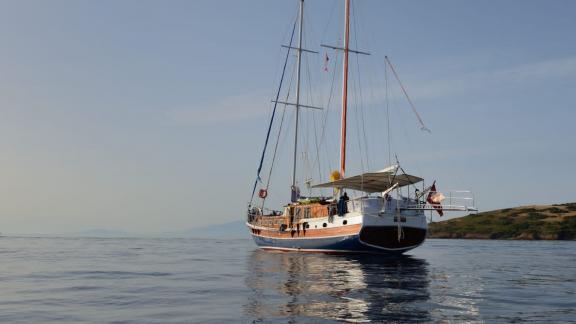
(263, 193)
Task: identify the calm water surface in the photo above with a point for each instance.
(214, 281)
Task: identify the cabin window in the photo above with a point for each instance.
(344, 222)
(307, 212)
(324, 225)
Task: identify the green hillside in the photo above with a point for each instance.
(553, 222)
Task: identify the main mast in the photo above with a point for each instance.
(293, 189)
(345, 88)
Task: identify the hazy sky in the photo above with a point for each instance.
(149, 116)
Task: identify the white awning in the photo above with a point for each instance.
(373, 181)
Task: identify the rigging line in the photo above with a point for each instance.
(354, 97)
(323, 138)
(274, 155)
(308, 127)
(406, 175)
(272, 118)
(309, 30)
(306, 151)
(355, 19)
(329, 19)
(326, 114)
(269, 178)
(358, 137)
(424, 128)
(362, 113)
(287, 32)
(317, 146)
(374, 122)
(394, 176)
(408, 139)
(317, 161)
(388, 114)
(382, 82)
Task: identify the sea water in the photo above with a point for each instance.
(186, 280)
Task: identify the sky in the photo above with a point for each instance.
(149, 116)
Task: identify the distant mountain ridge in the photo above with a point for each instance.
(538, 222)
(235, 229)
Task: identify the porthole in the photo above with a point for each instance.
(344, 222)
(307, 225)
(324, 225)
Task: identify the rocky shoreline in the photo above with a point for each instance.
(539, 222)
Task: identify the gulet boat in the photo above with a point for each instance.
(387, 213)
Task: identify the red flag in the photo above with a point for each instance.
(435, 199)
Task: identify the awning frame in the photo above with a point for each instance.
(371, 182)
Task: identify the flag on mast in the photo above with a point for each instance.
(326, 60)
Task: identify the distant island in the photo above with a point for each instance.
(540, 222)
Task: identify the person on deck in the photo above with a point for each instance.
(342, 204)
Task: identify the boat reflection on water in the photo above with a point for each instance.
(310, 287)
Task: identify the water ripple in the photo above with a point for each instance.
(71, 280)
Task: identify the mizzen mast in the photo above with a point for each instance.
(345, 88)
(346, 49)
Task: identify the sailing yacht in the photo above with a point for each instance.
(382, 218)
